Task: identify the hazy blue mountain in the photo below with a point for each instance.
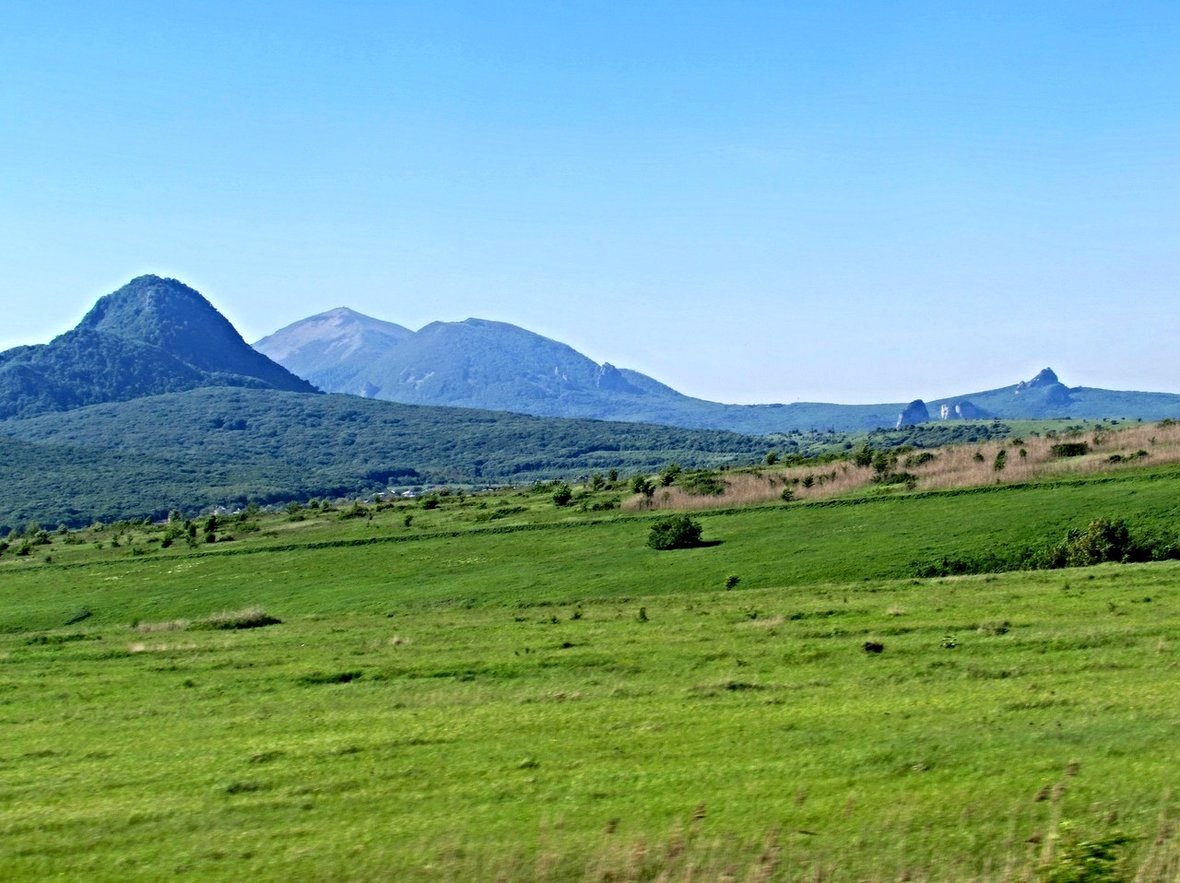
(1045, 396)
(477, 363)
(151, 336)
(494, 365)
(333, 346)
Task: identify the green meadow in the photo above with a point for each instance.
(505, 689)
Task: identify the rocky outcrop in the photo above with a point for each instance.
(1046, 390)
(963, 410)
(1045, 377)
(913, 414)
(611, 379)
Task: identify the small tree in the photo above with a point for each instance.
(863, 456)
(674, 532)
(562, 494)
(641, 484)
(670, 473)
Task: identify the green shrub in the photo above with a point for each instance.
(562, 494)
(1086, 861)
(1069, 449)
(641, 484)
(701, 483)
(920, 459)
(670, 473)
(1103, 540)
(674, 532)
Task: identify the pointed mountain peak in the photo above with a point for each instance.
(169, 315)
(1045, 377)
(145, 306)
(333, 335)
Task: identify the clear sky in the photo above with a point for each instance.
(749, 201)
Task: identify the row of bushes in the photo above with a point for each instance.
(1103, 540)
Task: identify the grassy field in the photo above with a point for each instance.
(541, 696)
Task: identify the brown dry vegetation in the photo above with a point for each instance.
(952, 467)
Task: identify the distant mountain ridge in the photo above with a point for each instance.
(152, 336)
(157, 335)
(479, 363)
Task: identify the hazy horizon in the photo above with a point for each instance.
(853, 203)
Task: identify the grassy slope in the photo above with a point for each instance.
(495, 729)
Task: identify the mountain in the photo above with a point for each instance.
(1045, 396)
(478, 363)
(151, 336)
(333, 346)
(481, 364)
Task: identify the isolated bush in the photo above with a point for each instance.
(1086, 861)
(562, 494)
(674, 532)
(1069, 449)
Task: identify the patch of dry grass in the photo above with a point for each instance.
(247, 618)
(171, 625)
(1023, 460)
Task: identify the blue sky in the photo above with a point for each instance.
(750, 201)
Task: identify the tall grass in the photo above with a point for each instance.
(1024, 460)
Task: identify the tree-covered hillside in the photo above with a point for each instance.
(205, 447)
